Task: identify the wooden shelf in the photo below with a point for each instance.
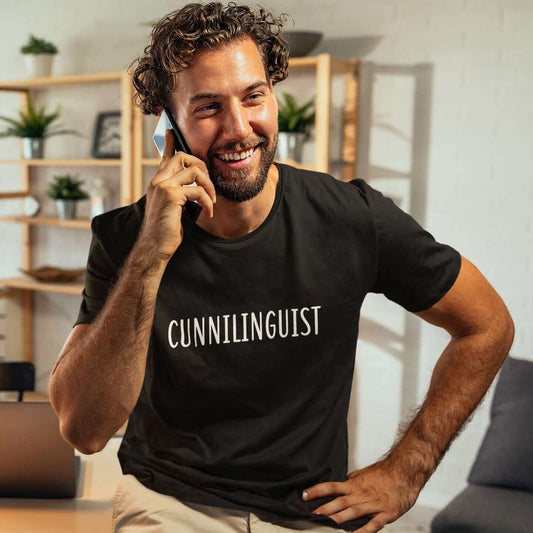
(29, 395)
(50, 81)
(45, 220)
(21, 288)
(303, 62)
(337, 65)
(63, 162)
(13, 194)
(27, 283)
(149, 161)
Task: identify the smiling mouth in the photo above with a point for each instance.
(237, 155)
(238, 159)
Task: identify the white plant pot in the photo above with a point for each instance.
(66, 209)
(290, 146)
(38, 65)
(33, 147)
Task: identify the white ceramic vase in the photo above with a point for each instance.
(39, 65)
(33, 147)
(66, 209)
(290, 146)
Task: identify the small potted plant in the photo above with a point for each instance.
(66, 191)
(38, 55)
(295, 123)
(32, 128)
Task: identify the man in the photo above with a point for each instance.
(228, 339)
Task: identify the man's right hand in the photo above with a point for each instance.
(161, 230)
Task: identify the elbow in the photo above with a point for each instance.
(90, 448)
(71, 431)
(509, 333)
(506, 328)
(503, 339)
(85, 444)
(500, 330)
(53, 394)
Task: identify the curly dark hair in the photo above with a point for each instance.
(177, 37)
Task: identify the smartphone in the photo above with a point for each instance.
(166, 122)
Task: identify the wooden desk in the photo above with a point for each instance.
(90, 512)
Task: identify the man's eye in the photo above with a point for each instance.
(208, 107)
(255, 96)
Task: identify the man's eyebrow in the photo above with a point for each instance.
(202, 96)
(210, 96)
(256, 85)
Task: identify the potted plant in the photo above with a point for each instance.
(295, 122)
(38, 55)
(66, 191)
(32, 128)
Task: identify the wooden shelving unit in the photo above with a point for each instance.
(133, 160)
(63, 162)
(23, 287)
(46, 220)
(27, 283)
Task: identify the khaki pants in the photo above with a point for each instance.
(138, 509)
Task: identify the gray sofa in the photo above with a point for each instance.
(499, 495)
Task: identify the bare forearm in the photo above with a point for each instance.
(96, 383)
(460, 379)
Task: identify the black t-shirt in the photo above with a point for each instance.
(251, 356)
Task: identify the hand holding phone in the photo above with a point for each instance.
(167, 195)
(167, 122)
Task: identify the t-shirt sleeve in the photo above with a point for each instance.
(100, 277)
(413, 269)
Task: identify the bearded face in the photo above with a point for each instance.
(228, 114)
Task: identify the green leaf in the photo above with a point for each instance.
(31, 110)
(291, 103)
(61, 132)
(292, 117)
(10, 120)
(66, 187)
(33, 123)
(38, 46)
(9, 133)
(49, 119)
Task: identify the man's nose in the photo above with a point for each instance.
(236, 123)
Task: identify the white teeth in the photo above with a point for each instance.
(236, 156)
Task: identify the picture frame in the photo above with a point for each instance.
(107, 135)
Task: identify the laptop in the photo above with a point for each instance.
(35, 461)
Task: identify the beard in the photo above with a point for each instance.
(243, 184)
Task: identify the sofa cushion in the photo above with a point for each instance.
(483, 509)
(506, 455)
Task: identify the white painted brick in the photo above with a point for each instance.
(485, 15)
(482, 41)
(517, 19)
(430, 8)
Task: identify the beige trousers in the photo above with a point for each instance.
(138, 509)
